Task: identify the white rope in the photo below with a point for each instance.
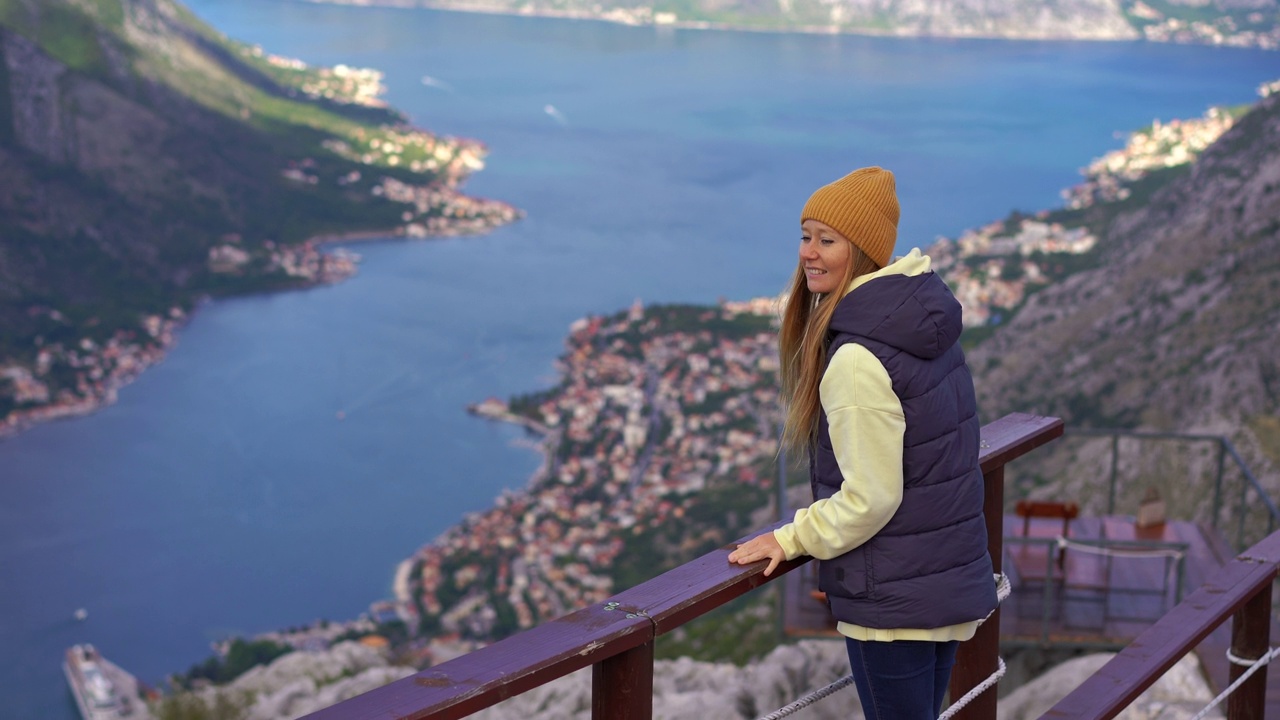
(1003, 589)
(1253, 665)
(809, 699)
(975, 692)
(1246, 662)
(1064, 543)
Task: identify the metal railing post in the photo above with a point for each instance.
(1217, 487)
(1241, 513)
(1115, 463)
(978, 658)
(1250, 640)
(622, 685)
(1051, 597)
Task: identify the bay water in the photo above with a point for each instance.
(223, 495)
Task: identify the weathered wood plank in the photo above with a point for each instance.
(487, 676)
(1015, 435)
(699, 586)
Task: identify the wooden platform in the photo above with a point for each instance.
(1113, 580)
(1107, 584)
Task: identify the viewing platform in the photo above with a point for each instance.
(1099, 589)
(1114, 581)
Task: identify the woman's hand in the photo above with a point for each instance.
(760, 547)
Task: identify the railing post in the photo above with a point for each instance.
(1250, 640)
(1115, 467)
(1242, 513)
(622, 685)
(978, 658)
(1217, 486)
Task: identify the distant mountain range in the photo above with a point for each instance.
(147, 161)
(1246, 23)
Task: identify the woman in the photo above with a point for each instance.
(877, 391)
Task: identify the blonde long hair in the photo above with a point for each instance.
(802, 347)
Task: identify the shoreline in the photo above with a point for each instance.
(620, 16)
(105, 390)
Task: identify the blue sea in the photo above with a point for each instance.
(222, 495)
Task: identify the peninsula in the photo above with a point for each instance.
(150, 162)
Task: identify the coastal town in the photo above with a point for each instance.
(655, 407)
(96, 370)
(1255, 29)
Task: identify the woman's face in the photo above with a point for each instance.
(824, 255)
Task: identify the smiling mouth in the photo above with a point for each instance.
(814, 271)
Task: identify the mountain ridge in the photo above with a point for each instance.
(1174, 330)
(1244, 23)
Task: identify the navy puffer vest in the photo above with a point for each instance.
(929, 566)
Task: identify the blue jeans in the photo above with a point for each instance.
(903, 679)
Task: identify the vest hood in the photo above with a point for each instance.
(916, 314)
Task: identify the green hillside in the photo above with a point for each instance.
(146, 162)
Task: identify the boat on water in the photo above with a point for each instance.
(103, 691)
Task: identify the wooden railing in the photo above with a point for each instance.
(617, 637)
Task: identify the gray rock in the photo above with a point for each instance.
(303, 682)
(1178, 695)
(686, 689)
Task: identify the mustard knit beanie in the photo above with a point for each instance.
(863, 207)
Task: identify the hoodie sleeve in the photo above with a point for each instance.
(867, 427)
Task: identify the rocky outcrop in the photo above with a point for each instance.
(34, 80)
(303, 682)
(293, 685)
(1178, 695)
(689, 690)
